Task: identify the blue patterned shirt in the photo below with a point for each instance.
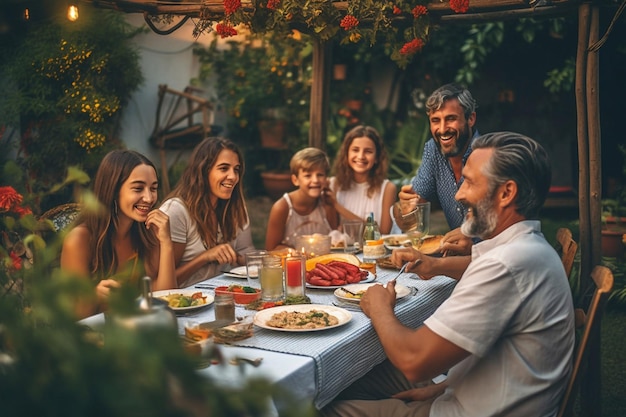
(435, 181)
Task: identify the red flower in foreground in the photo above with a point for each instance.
(459, 6)
(349, 22)
(397, 10)
(9, 198)
(17, 261)
(412, 47)
(419, 11)
(225, 30)
(22, 211)
(272, 4)
(231, 6)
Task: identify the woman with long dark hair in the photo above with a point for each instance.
(125, 238)
(208, 216)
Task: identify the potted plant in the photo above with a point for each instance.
(614, 219)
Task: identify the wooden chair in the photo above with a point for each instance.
(568, 248)
(62, 216)
(183, 119)
(590, 324)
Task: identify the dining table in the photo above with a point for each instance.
(312, 366)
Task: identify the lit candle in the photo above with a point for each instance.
(294, 275)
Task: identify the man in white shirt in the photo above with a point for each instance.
(506, 334)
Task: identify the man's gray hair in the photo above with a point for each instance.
(522, 160)
(449, 92)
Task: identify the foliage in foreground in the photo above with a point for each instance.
(50, 365)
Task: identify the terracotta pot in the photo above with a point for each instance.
(277, 183)
(612, 241)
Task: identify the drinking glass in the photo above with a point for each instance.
(254, 261)
(354, 230)
(271, 278)
(420, 218)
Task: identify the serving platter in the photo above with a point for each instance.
(262, 317)
(343, 295)
(370, 277)
(186, 292)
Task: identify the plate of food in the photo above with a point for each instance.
(396, 241)
(353, 292)
(302, 318)
(320, 284)
(430, 244)
(182, 300)
(385, 262)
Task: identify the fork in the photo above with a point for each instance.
(402, 269)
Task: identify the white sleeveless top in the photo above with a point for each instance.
(356, 200)
(297, 224)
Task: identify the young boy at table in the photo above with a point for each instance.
(303, 211)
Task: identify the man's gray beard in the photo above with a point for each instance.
(482, 222)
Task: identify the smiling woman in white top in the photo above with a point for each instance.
(360, 185)
(208, 216)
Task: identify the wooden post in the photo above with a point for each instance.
(591, 390)
(320, 89)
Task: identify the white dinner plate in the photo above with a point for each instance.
(341, 249)
(238, 272)
(396, 241)
(263, 316)
(401, 291)
(370, 277)
(189, 293)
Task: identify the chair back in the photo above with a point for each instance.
(62, 216)
(183, 119)
(603, 281)
(568, 248)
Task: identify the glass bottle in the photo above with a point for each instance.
(373, 247)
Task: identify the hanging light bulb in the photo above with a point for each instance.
(26, 14)
(72, 13)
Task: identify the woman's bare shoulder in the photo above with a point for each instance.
(78, 237)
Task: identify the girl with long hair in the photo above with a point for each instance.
(360, 185)
(125, 238)
(208, 216)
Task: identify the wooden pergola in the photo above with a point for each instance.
(480, 11)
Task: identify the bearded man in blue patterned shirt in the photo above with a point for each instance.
(451, 112)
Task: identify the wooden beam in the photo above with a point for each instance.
(320, 88)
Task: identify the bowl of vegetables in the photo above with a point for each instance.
(241, 293)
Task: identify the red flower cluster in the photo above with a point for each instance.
(459, 6)
(349, 22)
(412, 47)
(397, 10)
(16, 260)
(231, 6)
(419, 11)
(11, 200)
(225, 30)
(273, 4)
